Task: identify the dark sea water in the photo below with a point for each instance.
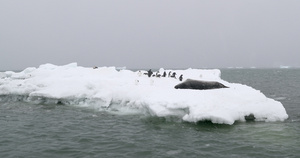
(31, 130)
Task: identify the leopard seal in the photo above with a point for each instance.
(199, 85)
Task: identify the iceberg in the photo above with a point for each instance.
(126, 91)
(284, 67)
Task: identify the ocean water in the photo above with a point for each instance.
(35, 130)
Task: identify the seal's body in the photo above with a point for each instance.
(199, 85)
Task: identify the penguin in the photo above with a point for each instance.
(174, 75)
(150, 73)
(180, 77)
(164, 74)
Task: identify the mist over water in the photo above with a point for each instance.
(39, 130)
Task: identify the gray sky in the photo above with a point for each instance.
(150, 33)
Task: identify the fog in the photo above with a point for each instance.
(150, 34)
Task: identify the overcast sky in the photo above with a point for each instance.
(150, 33)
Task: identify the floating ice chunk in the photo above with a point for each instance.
(107, 88)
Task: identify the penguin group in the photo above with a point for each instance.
(170, 74)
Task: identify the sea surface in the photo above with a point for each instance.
(34, 130)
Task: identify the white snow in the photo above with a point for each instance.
(127, 91)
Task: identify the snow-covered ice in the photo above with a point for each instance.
(125, 91)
